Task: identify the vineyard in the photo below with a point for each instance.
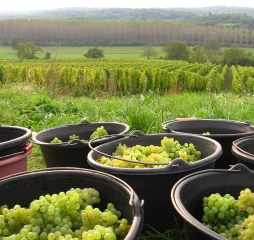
(127, 76)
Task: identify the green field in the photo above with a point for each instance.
(77, 52)
(251, 50)
(116, 52)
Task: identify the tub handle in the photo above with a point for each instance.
(71, 143)
(176, 163)
(131, 201)
(77, 142)
(248, 123)
(24, 150)
(186, 119)
(241, 167)
(80, 142)
(85, 122)
(123, 159)
(165, 126)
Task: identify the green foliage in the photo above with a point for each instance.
(116, 77)
(139, 113)
(218, 15)
(34, 108)
(215, 80)
(141, 28)
(2, 74)
(94, 53)
(14, 41)
(28, 50)
(211, 50)
(197, 55)
(211, 44)
(176, 50)
(243, 79)
(47, 55)
(237, 56)
(172, 234)
(235, 20)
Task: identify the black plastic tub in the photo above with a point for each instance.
(154, 184)
(24, 187)
(243, 150)
(188, 192)
(13, 139)
(74, 153)
(223, 131)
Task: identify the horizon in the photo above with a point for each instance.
(27, 5)
(60, 8)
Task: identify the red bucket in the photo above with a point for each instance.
(15, 163)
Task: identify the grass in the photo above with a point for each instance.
(67, 52)
(39, 109)
(172, 234)
(59, 52)
(251, 50)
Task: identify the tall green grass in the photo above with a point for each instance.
(38, 108)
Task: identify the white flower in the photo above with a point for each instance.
(142, 98)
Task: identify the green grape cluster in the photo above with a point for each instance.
(231, 218)
(99, 132)
(206, 133)
(73, 137)
(56, 140)
(169, 150)
(66, 215)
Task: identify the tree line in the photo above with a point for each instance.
(111, 33)
(234, 20)
(136, 14)
(209, 52)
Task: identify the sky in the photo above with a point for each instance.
(28, 5)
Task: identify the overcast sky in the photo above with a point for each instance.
(27, 5)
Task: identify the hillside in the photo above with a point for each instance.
(126, 27)
(184, 14)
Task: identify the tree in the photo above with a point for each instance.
(14, 41)
(94, 53)
(176, 50)
(28, 50)
(148, 51)
(212, 49)
(237, 56)
(47, 55)
(197, 55)
(211, 44)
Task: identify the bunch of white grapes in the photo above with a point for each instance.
(231, 218)
(65, 216)
(99, 132)
(169, 150)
